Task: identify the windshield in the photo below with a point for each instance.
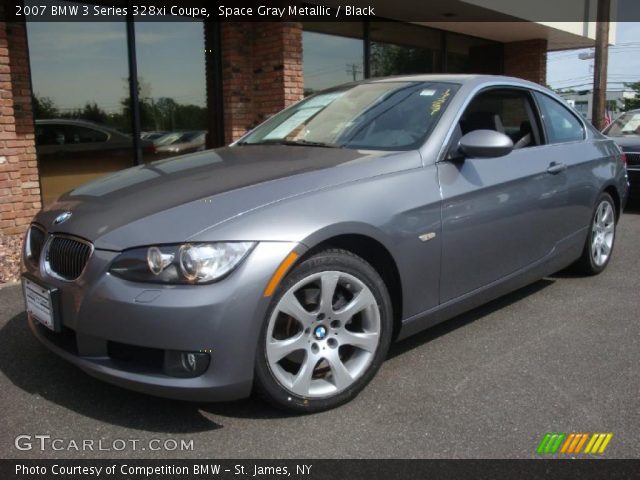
(626, 124)
(371, 116)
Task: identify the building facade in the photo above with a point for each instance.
(80, 100)
(583, 102)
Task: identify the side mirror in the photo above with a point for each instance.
(485, 144)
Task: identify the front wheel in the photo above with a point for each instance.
(326, 334)
(602, 231)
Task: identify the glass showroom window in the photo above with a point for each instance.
(401, 48)
(81, 102)
(472, 55)
(171, 87)
(333, 54)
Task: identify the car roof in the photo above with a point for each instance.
(68, 121)
(79, 123)
(473, 80)
(452, 78)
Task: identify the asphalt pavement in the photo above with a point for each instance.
(561, 355)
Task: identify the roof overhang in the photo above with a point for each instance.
(499, 20)
(559, 35)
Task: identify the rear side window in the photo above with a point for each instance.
(561, 125)
(64, 134)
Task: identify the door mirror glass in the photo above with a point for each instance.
(485, 144)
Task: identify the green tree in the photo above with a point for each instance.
(389, 59)
(43, 107)
(632, 103)
(90, 112)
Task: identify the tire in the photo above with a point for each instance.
(600, 241)
(329, 351)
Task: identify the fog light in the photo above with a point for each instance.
(185, 364)
(191, 361)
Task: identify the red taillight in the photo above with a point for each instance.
(149, 149)
(623, 157)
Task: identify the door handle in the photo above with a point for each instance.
(556, 167)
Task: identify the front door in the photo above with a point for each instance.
(499, 215)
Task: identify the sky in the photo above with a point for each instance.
(566, 70)
(79, 62)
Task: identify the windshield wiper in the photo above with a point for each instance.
(295, 143)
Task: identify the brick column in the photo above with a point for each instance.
(237, 78)
(261, 71)
(19, 185)
(526, 59)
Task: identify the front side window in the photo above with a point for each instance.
(507, 111)
(49, 135)
(75, 134)
(370, 116)
(561, 125)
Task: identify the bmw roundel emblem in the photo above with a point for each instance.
(320, 332)
(63, 217)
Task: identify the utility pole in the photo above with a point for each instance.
(354, 70)
(601, 62)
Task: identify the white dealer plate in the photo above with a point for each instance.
(39, 303)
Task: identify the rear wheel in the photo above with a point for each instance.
(326, 334)
(600, 241)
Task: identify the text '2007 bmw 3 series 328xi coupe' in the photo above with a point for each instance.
(286, 263)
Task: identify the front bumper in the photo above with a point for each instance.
(102, 314)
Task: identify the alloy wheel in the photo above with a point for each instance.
(602, 233)
(323, 334)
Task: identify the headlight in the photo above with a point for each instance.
(186, 263)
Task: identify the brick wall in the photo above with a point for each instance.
(261, 72)
(526, 59)
(19, 185)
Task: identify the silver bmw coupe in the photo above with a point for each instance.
(286, 263)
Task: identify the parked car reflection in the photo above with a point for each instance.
(72, 152)
(187, 142)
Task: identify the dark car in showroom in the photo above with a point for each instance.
(72, 152)
(625, 131)
(286, 263)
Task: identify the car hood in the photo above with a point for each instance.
(175, 199)
(629, 143)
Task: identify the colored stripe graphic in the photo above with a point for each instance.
(543, 443)
(567, 443)
(581, 443)
(572, 443)
(550, 443)
(598, 443)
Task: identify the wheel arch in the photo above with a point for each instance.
(615, 195)
(363, 242)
